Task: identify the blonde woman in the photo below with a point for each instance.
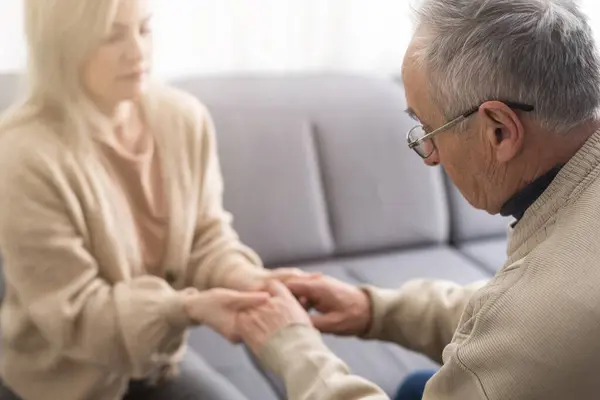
(112, 228)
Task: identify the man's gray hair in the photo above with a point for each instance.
(536, 52)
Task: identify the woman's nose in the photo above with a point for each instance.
(135, 49)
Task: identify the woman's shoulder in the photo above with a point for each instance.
(170, 102)
(30, 145)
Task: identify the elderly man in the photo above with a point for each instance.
(507, 99)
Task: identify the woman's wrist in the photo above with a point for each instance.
(188, 298)
(175, 310)
(246, 278)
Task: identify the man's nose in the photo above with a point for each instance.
(433, 159)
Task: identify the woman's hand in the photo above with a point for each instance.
(259, 324)
(256, 279)
(218, 308)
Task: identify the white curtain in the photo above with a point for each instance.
(12, 50)
(281, 35)
(216, 36)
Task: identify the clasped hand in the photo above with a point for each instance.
(255, 317)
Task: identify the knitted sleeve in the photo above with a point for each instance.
(127, 327)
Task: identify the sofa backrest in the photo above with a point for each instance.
(316, 166)
(9, 87)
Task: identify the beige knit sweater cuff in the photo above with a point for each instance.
(283, 348)
(380, 299)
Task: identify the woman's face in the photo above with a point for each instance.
(118, 69)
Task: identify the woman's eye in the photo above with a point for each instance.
(145, 30)
(113, 37)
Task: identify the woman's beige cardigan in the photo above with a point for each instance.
(80, 317)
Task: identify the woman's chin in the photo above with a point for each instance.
(133, 92)
(133, 89)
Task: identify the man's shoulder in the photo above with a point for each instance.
(563, 270)
(540, 309)
(574, 233)
(583, 203)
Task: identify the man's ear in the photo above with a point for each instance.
(503, 130)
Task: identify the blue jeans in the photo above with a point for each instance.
(413, 386)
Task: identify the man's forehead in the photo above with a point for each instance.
(415, 89)
(414, 77)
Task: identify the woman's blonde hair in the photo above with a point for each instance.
(60, 34)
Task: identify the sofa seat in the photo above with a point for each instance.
(489, 253)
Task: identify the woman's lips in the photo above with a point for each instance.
(134, 75)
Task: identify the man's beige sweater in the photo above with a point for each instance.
(81, 317)
(532, 332)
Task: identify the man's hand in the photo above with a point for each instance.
(218, 308)
(258, 325)
(344, 309)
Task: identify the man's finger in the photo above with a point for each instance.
(242, 301)
(309, 288)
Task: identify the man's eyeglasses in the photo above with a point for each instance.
(420, 141)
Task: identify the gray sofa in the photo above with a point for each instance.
(318, 176)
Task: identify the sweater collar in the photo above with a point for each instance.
(569, 182)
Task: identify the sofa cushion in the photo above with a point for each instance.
(9, 88)
(272, 184)
(233, 362)
(381, 196)
(490, 254)
(378, 194)
(10, 85)
(435, 262)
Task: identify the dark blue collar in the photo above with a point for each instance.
(522, 200)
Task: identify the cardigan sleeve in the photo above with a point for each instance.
(310, 370)
(128, 327)
(422, 315)
(216, 249)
